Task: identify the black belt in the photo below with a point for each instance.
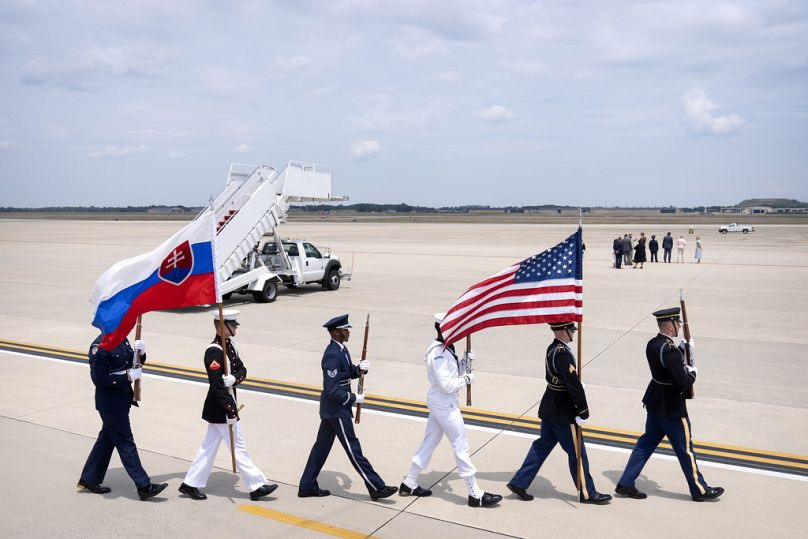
(661, 383)
(556, 388)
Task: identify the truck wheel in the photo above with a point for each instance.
(227, 296)
(268, 294)
(332, 280)
(723, 231)
(746, 231)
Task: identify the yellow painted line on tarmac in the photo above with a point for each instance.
(603, 433)
(301, 522)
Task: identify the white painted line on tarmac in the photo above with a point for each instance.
(589, 445)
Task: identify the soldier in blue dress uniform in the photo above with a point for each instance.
(562, 406)
(336, 416)
(664, 401)
(112, 372)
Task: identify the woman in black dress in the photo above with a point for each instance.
(639, 251)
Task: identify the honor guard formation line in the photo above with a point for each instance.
(220, 253)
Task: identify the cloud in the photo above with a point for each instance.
(700, 116)
(414, 44)
(445, 76)
(291, 63)
(97, 152)
(177, 155)
(6, 144)
(365, 149)
(242, 148)
(496, 113)
(323, 90)
(526, 68)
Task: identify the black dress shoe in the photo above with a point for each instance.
(710, 493)
(192, 492)
(596, 498)
(519, 491)
(319, 493)
(404, 490)
(95, 488)
(486, 501)
(263, 490)
(630, 492)
(150, 491)
(383, 492)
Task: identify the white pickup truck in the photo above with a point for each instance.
(735, 227)
(288, 262)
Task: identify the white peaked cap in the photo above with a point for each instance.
(229, 315)
(439, 317)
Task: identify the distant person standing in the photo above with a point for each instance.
(626, 250)
(681, 243)
(653, 247)
(639, 251)
(617, 249)
(699, 252)
(667, 247)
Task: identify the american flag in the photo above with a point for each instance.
(545, 288)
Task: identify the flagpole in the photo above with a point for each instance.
(229, 389)
(138, 364)
(578, 429)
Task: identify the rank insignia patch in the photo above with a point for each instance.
(94, 349)
(331, 374)
(572, 368)
(214, 366)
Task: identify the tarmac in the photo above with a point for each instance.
(747, 307)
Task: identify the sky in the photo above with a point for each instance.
(491, 102)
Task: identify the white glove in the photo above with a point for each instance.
(690, 369)
(581, 422)
(469, 377)
(139, 346)
(231, 420)
(692, 343)
(469, 356)
(135, 374)
(364, 365)
(228, 380)
(360, 398)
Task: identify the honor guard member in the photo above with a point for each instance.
(562, 406)
(113, 372)
(220, 411)
(443, 371)
(335, 416)
(666, 411)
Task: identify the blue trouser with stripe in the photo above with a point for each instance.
(115, 434)
(341, 428)
(678, 432)
(550, 435)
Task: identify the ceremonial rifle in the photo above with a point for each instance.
(361, 386)
(688, 347)
(578, 428)
(468, 369)
(229, 389)
(138, 364)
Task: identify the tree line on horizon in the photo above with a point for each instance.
(365, 207)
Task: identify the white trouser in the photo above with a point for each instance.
(447, 421)
(199, 472)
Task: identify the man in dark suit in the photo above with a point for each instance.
(221, 412)
(335, 416)
(112, 373)
(667, 247)
(562, 407)
(653, 247)
(664, 402)
(617, 248)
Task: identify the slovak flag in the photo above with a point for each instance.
(179, 273)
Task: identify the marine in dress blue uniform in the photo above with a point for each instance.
(562, 406)
(112, 372)
(336, 416)
(666, 409)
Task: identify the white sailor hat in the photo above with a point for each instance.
(229, 316)
(439, 317)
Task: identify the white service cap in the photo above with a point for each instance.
(229, 315)
(439, 317)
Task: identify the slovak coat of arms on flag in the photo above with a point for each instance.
(178, 265)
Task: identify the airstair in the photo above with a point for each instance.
(255, 201)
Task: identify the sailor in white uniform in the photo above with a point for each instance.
(447, 376)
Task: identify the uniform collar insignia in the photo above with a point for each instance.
(331, 374)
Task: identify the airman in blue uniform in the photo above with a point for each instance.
(664, 402)
(336, 416)
(112, 372)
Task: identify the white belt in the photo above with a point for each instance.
(118, 372)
